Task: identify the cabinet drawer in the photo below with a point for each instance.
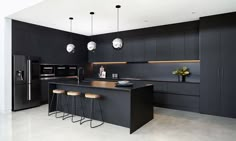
(180, 102)
(184, 88)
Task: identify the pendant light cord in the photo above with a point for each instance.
(71, 29)
(91, 24)
(118, 21)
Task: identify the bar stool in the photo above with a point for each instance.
(74, 95)
(93, 97)
(59, 93)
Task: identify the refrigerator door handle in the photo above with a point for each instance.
(29, 80)
(29, 92)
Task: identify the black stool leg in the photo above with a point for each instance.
(50, 106)
(101, 117)
(58, 97)
(91, 115)
(82, 109)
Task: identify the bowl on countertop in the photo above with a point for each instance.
(123, 82)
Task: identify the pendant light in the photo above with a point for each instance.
(70, 47)
(91, 45)
(117, 42)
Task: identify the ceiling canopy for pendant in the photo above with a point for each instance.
(70, 48)
(117, 42)
(91, 45)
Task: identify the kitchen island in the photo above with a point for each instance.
(129, 107)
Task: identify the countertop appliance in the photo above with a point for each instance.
(26, 82)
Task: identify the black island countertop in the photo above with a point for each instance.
(88, 83)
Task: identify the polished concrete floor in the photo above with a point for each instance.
(167, 125)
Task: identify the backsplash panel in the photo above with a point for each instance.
(161, 72)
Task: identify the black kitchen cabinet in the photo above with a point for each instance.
(127, 50)
(138, 52)
(163, 48)
(228, 66)
(49, 44)
(177, 46)
(176, 95)
(191, 46)
(150, 49)
(217, 46)
(179, 102)
(163, 43)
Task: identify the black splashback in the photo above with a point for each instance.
(161, 72)
(48, 44)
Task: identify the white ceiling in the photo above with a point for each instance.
(134, 14)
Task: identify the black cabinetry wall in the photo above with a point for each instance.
(48, 44)
(170, 42)
(218, 47)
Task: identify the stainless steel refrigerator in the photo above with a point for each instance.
(26, 82)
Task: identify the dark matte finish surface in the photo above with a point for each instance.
(48, 44)
(217, 45)
(169, 42)
(130, 107)
(141, 105)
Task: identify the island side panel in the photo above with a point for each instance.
(115, 104)
(141, 107)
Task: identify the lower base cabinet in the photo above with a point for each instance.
(176, 101)
(175, 95)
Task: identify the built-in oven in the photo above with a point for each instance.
(72, 70)
(60, 70)
(47, 70)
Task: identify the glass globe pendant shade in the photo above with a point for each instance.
(91, 46)
(117, 43)
(70, 48)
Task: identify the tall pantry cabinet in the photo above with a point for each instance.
(218, 65)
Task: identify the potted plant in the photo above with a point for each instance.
(181, 72)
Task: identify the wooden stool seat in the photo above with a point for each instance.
(92, 96)
(58, 91)
(73, 93)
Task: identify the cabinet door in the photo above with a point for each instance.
(150, 49)
(228, 49)
(138, 50)
(163, 49)
(210, 64)
(191, 45)
(107, 51)
(177, 46)
(127, 49)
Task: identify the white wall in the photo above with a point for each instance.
(7, 8)
(2, 97)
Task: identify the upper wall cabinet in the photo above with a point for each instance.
(164, 43)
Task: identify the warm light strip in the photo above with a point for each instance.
(176, 61)
(108, 63)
